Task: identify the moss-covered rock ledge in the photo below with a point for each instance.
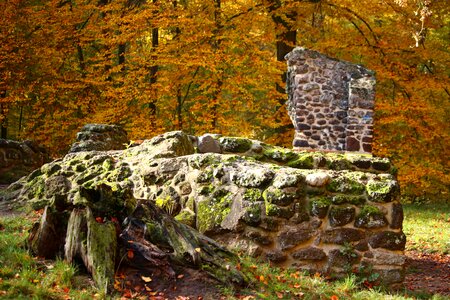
(321, 212)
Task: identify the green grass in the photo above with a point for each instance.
(427, 227)
(25, 277)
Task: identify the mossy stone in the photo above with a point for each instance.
(319, 206)
(305, 161)
(340, 216)
(187, 217)
(252, 195)
(345, 184)
(281, 197)
(383, 190)
(348, 199)
(235, 144)
(370, 217)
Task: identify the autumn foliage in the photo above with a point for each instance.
(214, 66)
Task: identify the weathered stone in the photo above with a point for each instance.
(280, 197)
(341, 236)
(258, 237)
(221, 195)
(252, 177)
(310, 253)
(388, 240)
(292, 237)
(370, 217)
(100, 137)
(342, 259)
(319, 206)
(382, 257)
(235, 144)
(340, 216)
(206, 143)
(390, 276)
(396, 216)
(382, 190)
(276, 256)
(317, 179)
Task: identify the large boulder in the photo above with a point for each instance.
(310, 210)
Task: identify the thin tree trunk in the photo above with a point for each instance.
(3, 126)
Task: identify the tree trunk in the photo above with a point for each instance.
(149, 238)
(3, 126)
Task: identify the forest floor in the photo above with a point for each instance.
(427, 269)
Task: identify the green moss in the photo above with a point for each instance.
(382, 190)
(186, 217)
(346, 183)
(342, 199)
(304, 161)
(252, 195)
(370, 210)
(212, 211)
(205, 190)
(278, 154)
(319, 206)
(235, 144)
(107, 165)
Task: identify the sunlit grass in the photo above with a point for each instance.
(427, 227)
(25, 277)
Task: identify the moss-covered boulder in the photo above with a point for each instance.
(166, 194)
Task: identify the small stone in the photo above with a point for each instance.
(317, 179)
(339, 216)
(340, 259)
(207, 144)
(276, 256)
(310, 253)
(341, 236)
(292, 237)
(388, 240)
(396, 216)
(352, 144)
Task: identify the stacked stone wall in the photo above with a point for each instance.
(330, 102)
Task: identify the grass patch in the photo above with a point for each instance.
(25, 277)
(427, 227)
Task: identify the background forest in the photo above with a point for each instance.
(217, 66)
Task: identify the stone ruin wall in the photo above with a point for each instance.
(330, 102)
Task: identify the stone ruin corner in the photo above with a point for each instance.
(330, 102)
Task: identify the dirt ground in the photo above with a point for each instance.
(428, 272)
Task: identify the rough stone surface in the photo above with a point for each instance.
(330, 102)
(208, 144)
(18, 159)
(290, 207)
(100, 137)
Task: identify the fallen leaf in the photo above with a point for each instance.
(279, 295)
(180, 276)
(146, 279)
(198, 250)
